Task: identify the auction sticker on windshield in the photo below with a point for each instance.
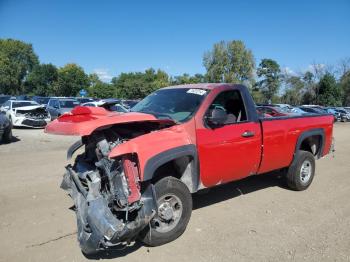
(197, 91)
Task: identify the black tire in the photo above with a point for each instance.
(298, 179)
(169, 185)
(7, 137)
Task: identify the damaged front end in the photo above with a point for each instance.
(31, 116)
(111, 204)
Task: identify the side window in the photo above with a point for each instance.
(56, 104)
(232, 102)
(50, 103)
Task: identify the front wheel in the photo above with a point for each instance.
(301, 172)
(174, 211)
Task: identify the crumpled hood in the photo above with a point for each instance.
(82, 121)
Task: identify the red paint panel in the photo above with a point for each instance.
(227, 156)
(82, 121)
(281, 136)
(156, 142)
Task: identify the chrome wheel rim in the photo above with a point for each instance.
(305, 171)
(169, 213)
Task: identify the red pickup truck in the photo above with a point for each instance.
(135, 175)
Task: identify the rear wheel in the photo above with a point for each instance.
(174, 211)
(301, 172)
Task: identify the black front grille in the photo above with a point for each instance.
(34, 123)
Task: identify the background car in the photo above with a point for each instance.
(5, 129)
(58, 106)
(344, 115)
(23, 97)
(336, 114)
(109, 104)
(297, 110)
(272, 111)
(26, 113)
(5, 98)
(313, 110)
(128, 104)
(83, 100)
(41, 100)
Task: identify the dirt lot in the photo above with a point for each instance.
(251, 220)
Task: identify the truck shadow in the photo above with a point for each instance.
(115, 252)
(221, 193)
(206, 198)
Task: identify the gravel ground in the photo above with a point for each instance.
(251, 220)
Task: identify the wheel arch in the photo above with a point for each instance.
(312, 140)
(180, 162)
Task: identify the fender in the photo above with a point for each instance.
(157, 148)
(160, 159)
(308, 133)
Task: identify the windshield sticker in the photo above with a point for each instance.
(196, 91)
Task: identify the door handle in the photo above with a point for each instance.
(248, 134)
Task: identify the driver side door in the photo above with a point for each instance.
(230, 151)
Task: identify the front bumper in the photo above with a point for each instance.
(30, 122)
(98, 227)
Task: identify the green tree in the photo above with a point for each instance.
(230, 62)
(17, 59)
(187, 79)
(71, 79)
(41, 79)
(294, 90)
(100, 89)
(139, 84)
(311, 89)
(269, 72)
(345, 86)
(329, 91)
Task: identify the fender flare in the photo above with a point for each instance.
(160, 159)
(308, 133)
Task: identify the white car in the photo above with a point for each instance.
(26, 113)
(108, 104)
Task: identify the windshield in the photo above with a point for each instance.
(20, 104)
(178, 104)
(68, 103)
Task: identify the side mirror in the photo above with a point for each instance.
(55, 106)
(217, 118)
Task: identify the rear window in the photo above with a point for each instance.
(68, 103)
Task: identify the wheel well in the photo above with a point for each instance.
(183, 168)
(312, 144)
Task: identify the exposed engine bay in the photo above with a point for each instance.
(111, 204)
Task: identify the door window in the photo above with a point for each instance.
(232, 103)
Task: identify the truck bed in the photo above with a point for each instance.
(280, 137)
